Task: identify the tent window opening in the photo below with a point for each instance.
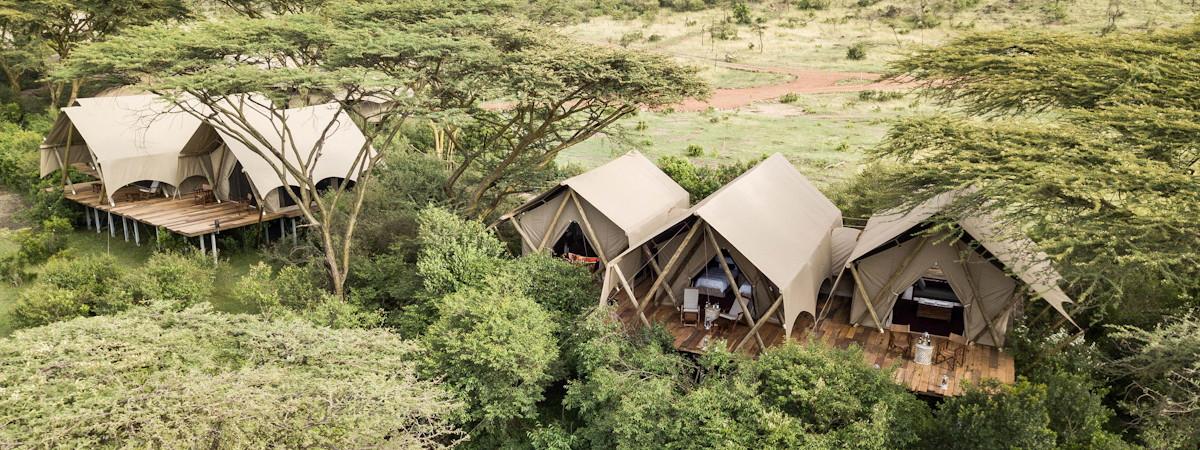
(575, 247)
(930, 305)
(714, 285)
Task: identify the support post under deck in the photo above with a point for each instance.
(125, 228)
(112, 232)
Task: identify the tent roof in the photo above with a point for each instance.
(1019, 254)
(131, 127)
(774, 216)
(632, 192)
(308, 130)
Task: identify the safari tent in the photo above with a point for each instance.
(969, 279)
(762, 244)
(143, 139)
(592, 217)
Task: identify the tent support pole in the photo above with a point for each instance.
(521, 231)
(587, 225)
(903, 266)
(733, 284)
(553, 223)
(975, 297)
(632, 295)
(137, 237)
(672, 278)
(670, 265)
(866, 299)
(658, 270)
(754, 330)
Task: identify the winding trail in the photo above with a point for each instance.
(802, 82)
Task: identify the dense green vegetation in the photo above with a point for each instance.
(405, 321)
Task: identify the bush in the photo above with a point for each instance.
(71, 286)
(723, 31)
(631, 38)
(790, 97)
(694, 151)
(163, 379)
(857, 51)
(564, 289)
(180, 279)
(18, 157)
(455, 252)
(35, 247)
(495, 347)
(811, 4)
(700, 181)
(293, 293)
(879, 96)
(993, 415)
(741, 12)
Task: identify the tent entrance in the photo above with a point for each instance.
(574, 246)
(714, 285)
(930, 305)
(239, 186)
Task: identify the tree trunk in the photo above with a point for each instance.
(75, 84)
(14, 78)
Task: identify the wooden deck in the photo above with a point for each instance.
(181, 215)
(981, 361)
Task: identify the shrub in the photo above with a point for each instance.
(96, 284)
(723, 31)
(993, 415)
(700, 181)
(163, 379)
(455, 252)
(631, 37)
(741, 12)
(694, 151)
(18, 157)
(811, 4)
(857, 51)
(879, 96)
(564, 289)
(495, 347)
(35, 247)
(180, 279)
(790, 97)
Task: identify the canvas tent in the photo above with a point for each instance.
(898, 249)
(134, 138)
(774, 230)
(609, 206)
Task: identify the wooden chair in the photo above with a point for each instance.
(899, 340)
(733, 316)
(691, 306)
(951, 350)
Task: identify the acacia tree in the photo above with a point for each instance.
(62, 26)
(1091, 151)
(429, 60)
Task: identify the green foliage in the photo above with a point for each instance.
(563, 289)
(741, 12)
(18, 157)
(631, 37)
(871, 95)
(294, 293)
(790, 97)
(495, 347)
(694, 151)
(812, 4)
(1162, 366)
(700, 181)
(180, 279)
(455, 253)
(35, 247)
(857, 51)
(993, 415)
(152, 378)
(72, 286)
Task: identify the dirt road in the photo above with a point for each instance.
(803, 82)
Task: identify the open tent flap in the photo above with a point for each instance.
(991, 297)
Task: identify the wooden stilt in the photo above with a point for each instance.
(125, 228)
(213, 241)
(866, 299)
(96, 215)
(521, 231)
(137, 238)
(203, 247)
(670, 264)
(553, 223)
(733, 284)
(658, 270)
(87, 217)
(112, 232)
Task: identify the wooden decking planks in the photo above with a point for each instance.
(980, 361)
(182, 216)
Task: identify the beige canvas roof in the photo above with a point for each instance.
(632, 192)
(780, 223)
(295, 133)
(1019, 254)
(132, 138)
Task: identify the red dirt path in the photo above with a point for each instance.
(803, 82)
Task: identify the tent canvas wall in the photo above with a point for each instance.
(614, 204)
(895, 250)
(774, 224)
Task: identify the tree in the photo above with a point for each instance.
(994, 415)
(495, 347)
(257, 9)
(440, 61)
(1162, 367)
(1088, 154)
(65, 25)
(197, 378)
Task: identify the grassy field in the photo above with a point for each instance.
(232, 267)
(823, 134)
(818, 39)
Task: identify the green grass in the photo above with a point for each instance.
(824, 135)
(233, 266)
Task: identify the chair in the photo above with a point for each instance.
(691, 305)
(150, 191)
(951, 350)
(899, 340)
(733, 316)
